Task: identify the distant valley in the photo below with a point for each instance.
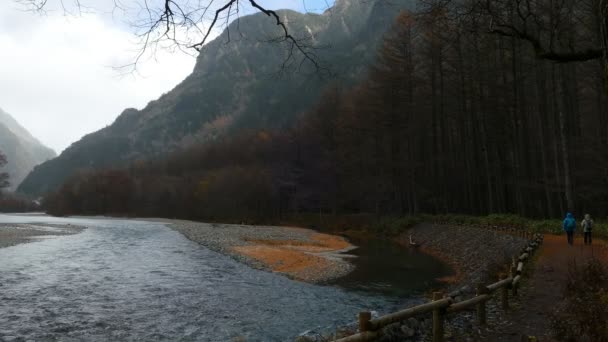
(22, 150)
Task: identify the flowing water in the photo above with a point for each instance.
(125, 280)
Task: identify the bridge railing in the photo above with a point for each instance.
(442, 305)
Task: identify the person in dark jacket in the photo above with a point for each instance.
(587, 225)
(569, 226)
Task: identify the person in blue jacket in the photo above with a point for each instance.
(569, 227)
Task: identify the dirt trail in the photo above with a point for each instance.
(544, 287)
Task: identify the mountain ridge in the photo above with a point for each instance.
(233, 86)
(21, 148)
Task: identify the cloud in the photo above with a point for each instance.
(56, 75)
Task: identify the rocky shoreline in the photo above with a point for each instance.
(476, 255)
(14, 234)
(301, 254)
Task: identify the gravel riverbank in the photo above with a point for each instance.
(476, 254)
(298, 253)
(14, 234)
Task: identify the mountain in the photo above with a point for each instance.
(234, 85)
(22, 150)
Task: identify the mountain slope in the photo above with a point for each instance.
(232, 86)
(22, 150)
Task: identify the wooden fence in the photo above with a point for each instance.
(442, 305)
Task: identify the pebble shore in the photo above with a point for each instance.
(14, 234)
(476, 254)
(298, 253)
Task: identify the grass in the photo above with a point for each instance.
(392, 226)
(552, 226)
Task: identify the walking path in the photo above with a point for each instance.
(544, 288)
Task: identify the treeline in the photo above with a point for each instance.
(9, 202)
(451, 118)
(232, 179)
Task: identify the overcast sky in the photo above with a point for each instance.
(56, 71)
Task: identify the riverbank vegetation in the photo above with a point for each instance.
(395, 226)
(450, 119)
(583, 315)
(13, 203)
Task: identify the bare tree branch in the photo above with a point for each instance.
(176, 24)
(554, 29)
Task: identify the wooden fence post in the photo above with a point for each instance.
(481, 306)
(504, 295)
(364, 318)
(513, 273)
(437, 320)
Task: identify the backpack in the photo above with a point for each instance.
(571, 224)
(588, 225)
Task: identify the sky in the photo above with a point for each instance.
(60, 74)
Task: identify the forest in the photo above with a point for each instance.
(462, 112)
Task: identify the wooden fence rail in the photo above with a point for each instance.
(441, 305)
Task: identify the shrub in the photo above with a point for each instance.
(583, 316)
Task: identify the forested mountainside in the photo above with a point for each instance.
(22, 150)
(449, 118)
(233, 86)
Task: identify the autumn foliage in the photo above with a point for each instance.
(447, 120)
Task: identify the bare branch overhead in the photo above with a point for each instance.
(189, 25)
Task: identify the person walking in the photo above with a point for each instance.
(569, 226)
(587, 228)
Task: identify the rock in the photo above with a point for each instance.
(413, 323)
(316, 336)
(407, 331)
(391, 332)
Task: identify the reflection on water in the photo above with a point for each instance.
(385, 267)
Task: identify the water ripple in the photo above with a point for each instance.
(125, 280)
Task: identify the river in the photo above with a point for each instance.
(127, 280)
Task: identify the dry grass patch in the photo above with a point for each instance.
(302, 260)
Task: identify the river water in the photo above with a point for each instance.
(125, 280)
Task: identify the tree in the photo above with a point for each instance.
(451, 117)
(4, 183)
(568, 31)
